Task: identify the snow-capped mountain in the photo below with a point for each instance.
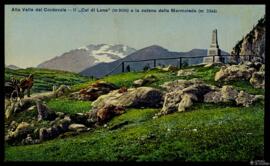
(84, 57)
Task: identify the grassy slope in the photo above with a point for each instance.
(44, 79)
(207, 132)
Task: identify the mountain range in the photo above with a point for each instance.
(151, 52)
(81, 58)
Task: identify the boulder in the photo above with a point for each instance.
(79, 118)
(9, 110)
(61, 90)
(60, 114)
(77, 127)
(245, 99)
(20, 133)
(50, 133)
(170, 68)
(183, 96)
(146, 80)
(95, 90)
(228, 93)
(262, 69)
(185, 72)
(134, 97)
(43, 134)
(44, 113)
(105, 113)
(258, 79)
(213, 97)
(171, 102)
(187, 101)
(138, 83)
(234, 72)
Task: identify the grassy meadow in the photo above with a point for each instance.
(205, 132)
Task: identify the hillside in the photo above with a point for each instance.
(204, 132)
(44, 79)
(79, 59)
(151, 52)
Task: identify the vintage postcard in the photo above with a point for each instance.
(135, 83)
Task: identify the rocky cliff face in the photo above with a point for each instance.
(253, 43)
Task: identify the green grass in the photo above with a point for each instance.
(44, 79)
(69, 106)
(223, 133)
(206, 132)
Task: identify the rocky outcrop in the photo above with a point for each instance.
(252, 44)
(252, 71)
(182, 94)
(246, 99)
(95, 90)
(228, 93)
(234, 72)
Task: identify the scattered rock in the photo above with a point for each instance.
(257, 80)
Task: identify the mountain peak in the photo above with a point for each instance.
(78, 59)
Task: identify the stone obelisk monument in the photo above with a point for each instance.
(213, 53)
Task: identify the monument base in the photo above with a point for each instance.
(212, 59)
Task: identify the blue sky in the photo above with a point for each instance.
(33, 37)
